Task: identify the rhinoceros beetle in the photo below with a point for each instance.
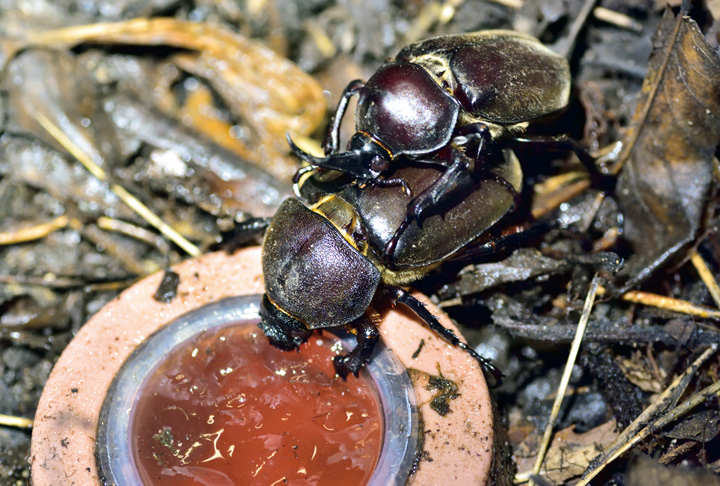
(324, 265)
(424, 180)
(442, 101)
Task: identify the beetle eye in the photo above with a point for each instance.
(379, 164)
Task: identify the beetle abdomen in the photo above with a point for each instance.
(497, 75)
(311, 271)
(456, 224)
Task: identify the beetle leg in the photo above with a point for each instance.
(448, 182)
(282, 337)
(282, 330)
(476, 253)
(563, 143)
(333, 136)
(491, 176)
(367, 337)
(356, 163)
(472, 132)
(402, 296)
(244, 233)
(395, 181)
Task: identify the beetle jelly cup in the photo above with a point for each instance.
(236, 318)
(457, 447)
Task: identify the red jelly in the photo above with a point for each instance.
(228, 408)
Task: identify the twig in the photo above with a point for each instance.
(128, 259)
(641, 115)
(54, 282)
(431, 14)
(33, 233)
(513, 4)
(667, 303)
(12, 421)
(566, 47)
(706, 276)
(574, 349)
(133, 231)
(671, 304)
(134, 203)
(667, 399)
(617, 19)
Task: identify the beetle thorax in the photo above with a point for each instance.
(405, 109)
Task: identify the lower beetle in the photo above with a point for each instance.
(442, 101)
(323, 265)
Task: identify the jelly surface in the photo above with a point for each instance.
(228, 408)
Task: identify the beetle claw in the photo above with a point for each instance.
(344, 366)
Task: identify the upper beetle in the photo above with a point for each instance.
(442, 101)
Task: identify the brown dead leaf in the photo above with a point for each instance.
(640, 376)
(271, 94)
(523, 264)
(55, 85)
(702, 426)
(644, 471)
(667, 155)
(570, 452)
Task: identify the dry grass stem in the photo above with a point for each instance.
(574, 349)
(34, 232)
(633, 433)
(706, 276)
(12, 421)
(134, 203)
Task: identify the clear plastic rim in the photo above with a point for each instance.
(113, 453)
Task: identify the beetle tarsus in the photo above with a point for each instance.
(243, 234)
(506, 242)
(402, 296)
(394, 182)
(367, 337)
(286, 339)
(563, 143)
(517, 200)
(283, 331)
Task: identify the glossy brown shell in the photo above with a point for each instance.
(311, 271)
(449, 228)
(403, 107)
(496, 75)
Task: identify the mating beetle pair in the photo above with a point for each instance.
(425, 175)
(444, 102)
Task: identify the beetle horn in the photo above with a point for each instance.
(302, 155)
(355, 162)
(313, 162)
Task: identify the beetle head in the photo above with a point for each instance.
(283, 330)
(365, 159)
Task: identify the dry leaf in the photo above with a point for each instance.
(668, 149)
(640, 376)
(271, 94)
(702, 426)
(570, 452)
(644, 471)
